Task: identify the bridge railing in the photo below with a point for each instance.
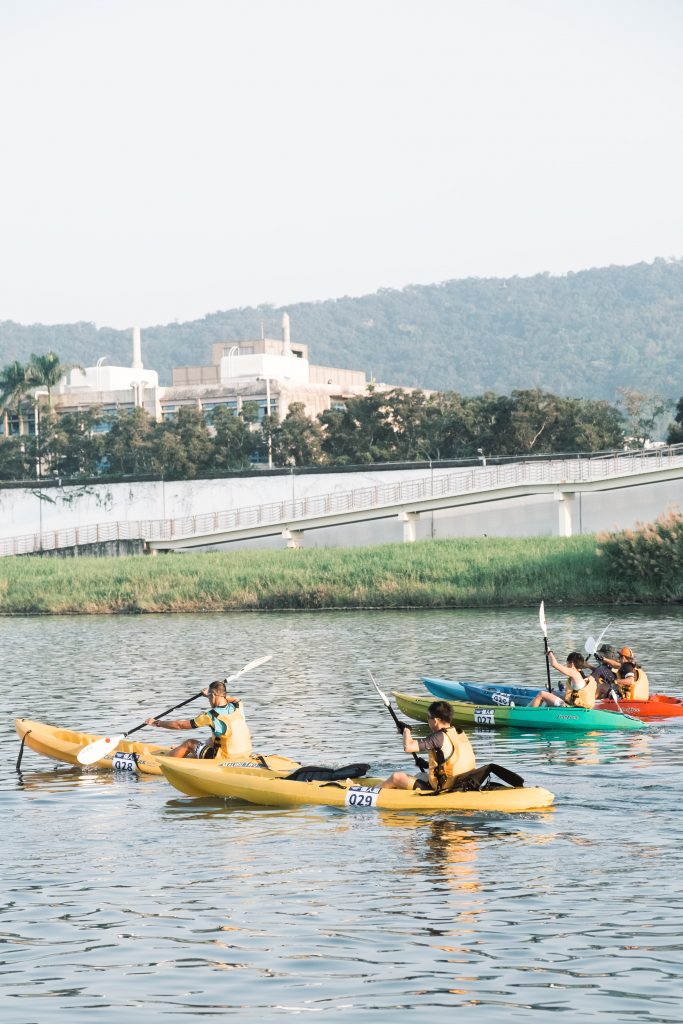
(285, 513)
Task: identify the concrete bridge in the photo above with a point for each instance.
(407, 499)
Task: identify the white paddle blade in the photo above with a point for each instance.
(98, 749)
(600, 638)
(541, 619)
(382, 695)
(247, 668)
(590, 646)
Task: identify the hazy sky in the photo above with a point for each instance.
(163, 159)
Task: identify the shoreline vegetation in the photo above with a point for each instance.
(481, 572)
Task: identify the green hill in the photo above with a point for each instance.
(584, 334)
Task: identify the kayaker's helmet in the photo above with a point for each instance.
(627, 653)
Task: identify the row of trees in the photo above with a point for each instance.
(378, 427)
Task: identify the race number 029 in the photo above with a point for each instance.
(361, 796)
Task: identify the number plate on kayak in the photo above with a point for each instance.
(124, 762)
(485, 716)
(361, 796)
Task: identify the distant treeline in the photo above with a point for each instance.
(585, 334)
(396, 426)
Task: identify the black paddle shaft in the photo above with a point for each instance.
(401, 726)
(547, 661)
(167, 712)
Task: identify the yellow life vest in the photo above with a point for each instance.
(230, 730)
(585, 697)
(636, 689)
(445, 767)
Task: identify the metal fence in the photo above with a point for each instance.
(286, 513)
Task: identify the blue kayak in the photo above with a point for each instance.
(483, 694)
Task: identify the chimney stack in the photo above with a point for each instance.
(286, 346)
(137, 351)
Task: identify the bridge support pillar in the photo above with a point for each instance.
(565, 508)
(409, 520)
(293, 538)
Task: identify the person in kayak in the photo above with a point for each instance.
(605, 672)
(231, 737)
(448, 748)
(632, 681)
(579, 692)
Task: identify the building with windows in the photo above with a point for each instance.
(269, 372)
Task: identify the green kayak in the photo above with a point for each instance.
(579, 719)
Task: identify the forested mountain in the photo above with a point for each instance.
(584, 334)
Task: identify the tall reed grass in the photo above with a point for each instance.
(470, 572)
(648, 558)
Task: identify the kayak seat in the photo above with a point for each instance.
(320, 773)
(481, 779)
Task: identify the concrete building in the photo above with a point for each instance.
(273, 373)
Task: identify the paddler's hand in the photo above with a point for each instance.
(152, 721)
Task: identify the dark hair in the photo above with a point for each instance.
(627, 668)
(218, 686)
(576, 659)
(441, 709)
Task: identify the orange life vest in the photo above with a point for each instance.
(637, 688)
(585, 697)
(444, 767)
(230, 730)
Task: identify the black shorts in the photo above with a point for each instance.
(422, 781)
(205, 750)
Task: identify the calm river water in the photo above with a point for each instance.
(123, 900)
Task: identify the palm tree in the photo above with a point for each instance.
(14, 386)
(47, 371)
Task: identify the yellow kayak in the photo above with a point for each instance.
(130, 755)
(206, 778)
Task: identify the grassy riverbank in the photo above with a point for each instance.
(461, 573)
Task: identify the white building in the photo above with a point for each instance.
(270, 372)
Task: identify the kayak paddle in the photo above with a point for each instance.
(401, 726)
(591, 646)
(613, 695)
(544, 627)
(98, 749)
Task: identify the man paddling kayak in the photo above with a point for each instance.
(231, 737)
(605, 672)
(633, 683)
(448, 748)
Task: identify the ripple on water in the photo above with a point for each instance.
(119, 896)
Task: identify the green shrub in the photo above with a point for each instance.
(650, 557)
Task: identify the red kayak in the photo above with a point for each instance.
(657, 706)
